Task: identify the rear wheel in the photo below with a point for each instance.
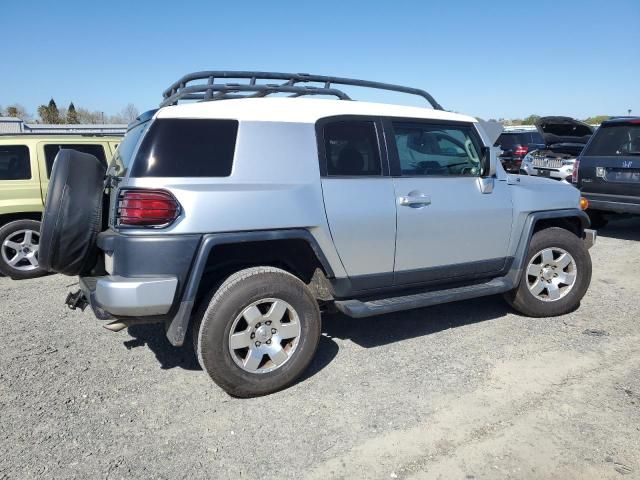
(259, 332)
(19, 248)
(556, 275)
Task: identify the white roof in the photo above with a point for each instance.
(298, 110)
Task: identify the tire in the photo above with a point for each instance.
(598, 219)
(73, 214)
(543, 304)
(19, 250)
(253, 294)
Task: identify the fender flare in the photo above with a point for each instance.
(532, 219)
(179, 324)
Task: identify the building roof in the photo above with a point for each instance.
(299, 110)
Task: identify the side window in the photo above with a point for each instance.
(351, 148)
(427, 149)
(15, 163)
(52, 149)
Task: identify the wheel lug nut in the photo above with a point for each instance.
(258, 325)
(268, 322)
(257, 344)
(253, 335)
(268, 342)
(273, 330)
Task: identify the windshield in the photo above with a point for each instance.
(615, 140)
(121, 160)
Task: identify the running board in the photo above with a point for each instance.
(360, 309)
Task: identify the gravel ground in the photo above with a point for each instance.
(466, 390)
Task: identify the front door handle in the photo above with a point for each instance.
(415, 200)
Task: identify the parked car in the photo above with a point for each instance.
(564, 139)
(235, 221)
(25, 165)
(515, 145)
(608, 170)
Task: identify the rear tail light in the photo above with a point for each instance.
(574, 174)
(521, 150)
(147, 208)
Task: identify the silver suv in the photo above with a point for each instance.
(234, 220)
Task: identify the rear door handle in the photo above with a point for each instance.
(415, 200)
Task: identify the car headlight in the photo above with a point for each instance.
(569, 161)
(527, 158)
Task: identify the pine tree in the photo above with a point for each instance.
(72, 115)
(54, 114)
(49, 113)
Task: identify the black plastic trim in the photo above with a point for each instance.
(515, 273)
(180, 323)
(390, 282)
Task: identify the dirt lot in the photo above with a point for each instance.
(467, 390)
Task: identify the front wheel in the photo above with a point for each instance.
(19, 249)
(556, 275)
(259, 332)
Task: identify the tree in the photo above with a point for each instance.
(129, 113)
(531, 120)
(597, 119)
(86, 116)
(72, 115)
(17, 111)
(49, 113)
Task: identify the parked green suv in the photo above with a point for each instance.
(25, 165)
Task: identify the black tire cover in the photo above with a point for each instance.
(72, 214)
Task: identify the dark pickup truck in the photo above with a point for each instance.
(608, 170)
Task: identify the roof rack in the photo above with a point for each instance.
(187, 87)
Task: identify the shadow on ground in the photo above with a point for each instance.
(366, 332)
(396, 327)
(622, 229)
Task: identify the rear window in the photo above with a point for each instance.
(507, 141)
(14, 163)
(187, 148)
(52, 149)
(124, 153)
(615, 140)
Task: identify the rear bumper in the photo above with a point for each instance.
(612, 203)
(115, 296)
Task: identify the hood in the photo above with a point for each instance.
(563, 130)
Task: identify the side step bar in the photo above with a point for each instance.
(360, 309)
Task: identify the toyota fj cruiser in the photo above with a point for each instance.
(235, 219)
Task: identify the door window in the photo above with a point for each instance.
(351, 148)
(52, 149)
(428, 149)
(14, 163)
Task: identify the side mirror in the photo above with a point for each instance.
(489, 161)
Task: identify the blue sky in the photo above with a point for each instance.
(487, 58)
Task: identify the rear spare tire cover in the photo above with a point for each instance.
(72, 214)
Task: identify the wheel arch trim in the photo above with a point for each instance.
(527, 233)
(177, 329)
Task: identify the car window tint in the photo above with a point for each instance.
(437, 150)
(52, 149)
(186, 148)
(14, 162)
(352, 148)
(507, 141)
(615, 140)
